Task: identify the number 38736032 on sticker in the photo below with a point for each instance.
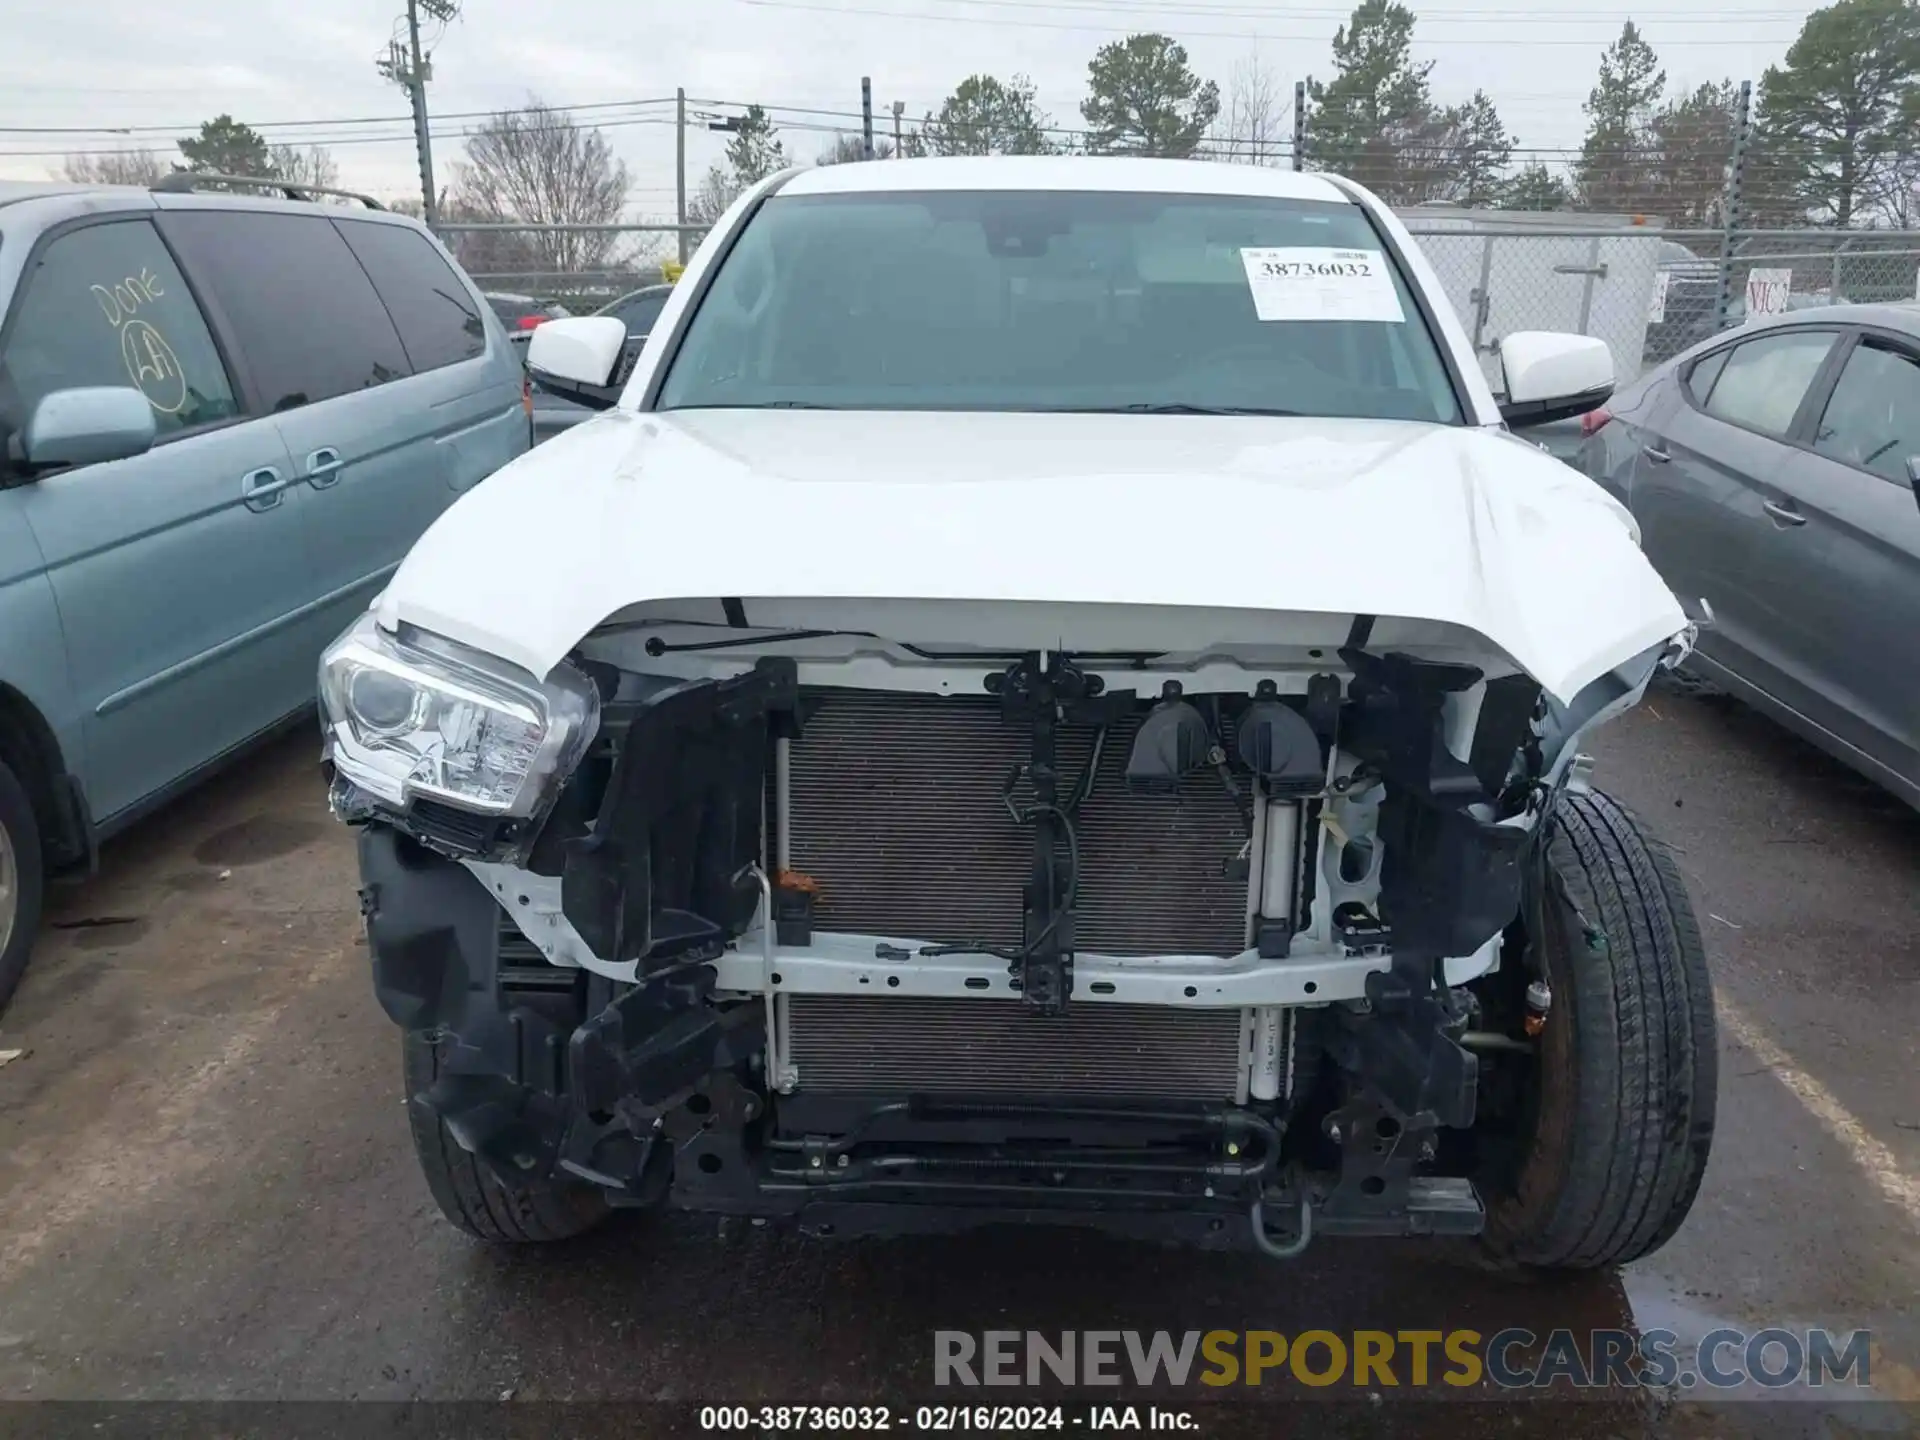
(1301, 282)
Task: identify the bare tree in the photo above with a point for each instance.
(716, 191)
(312, 165)
(1252, 129)
(119, 167)
(489, 256)
(1893, 194)
(539, 166)
(846, 149)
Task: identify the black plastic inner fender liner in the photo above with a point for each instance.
(650, 1049)
(432, 930)
(662, 877)
(433, 933)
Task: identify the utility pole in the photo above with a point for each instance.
(1299, 124)
(407, 67)
(417, 93)
(866, 117)
(1730, 221)
(680, 165)
(899, 108)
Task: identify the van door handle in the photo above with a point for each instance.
(1783, 514)
(1656, 454)
(260, 489)
(323, 467)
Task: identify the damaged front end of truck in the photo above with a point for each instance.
(803, 911)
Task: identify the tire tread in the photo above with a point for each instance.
(23, 829)
(1638, 1122)
(468, 1194)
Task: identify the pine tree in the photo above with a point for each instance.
(1841, 114)
(1610, 172)
(1374, 121)
(1144, 99)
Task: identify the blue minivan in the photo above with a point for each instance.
(224, 419)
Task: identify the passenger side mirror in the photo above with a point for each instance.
(86, 426)
(1553, 377)
(578, 360)
(1913, 476)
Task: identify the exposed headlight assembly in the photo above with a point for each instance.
(411, 715)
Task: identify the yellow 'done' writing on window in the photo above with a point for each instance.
(150, 361)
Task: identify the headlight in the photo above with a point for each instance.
(411, 714)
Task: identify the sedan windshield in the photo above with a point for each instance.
(1061, 301)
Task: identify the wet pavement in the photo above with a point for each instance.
(207, 1190)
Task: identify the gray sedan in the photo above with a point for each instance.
(1773, 472)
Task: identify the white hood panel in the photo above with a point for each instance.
(1458, 526)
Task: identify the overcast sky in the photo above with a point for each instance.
(114, 63)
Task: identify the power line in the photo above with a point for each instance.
(1452, 17)
(325, 141)
(1001, 22)
(777, 112)
(302, 124)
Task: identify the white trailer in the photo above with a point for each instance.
(1509, 270)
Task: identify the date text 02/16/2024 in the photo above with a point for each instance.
(944, 1419)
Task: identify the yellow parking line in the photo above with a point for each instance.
(1876, 1161)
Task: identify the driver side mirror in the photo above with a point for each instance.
(578, 359)
(1551, 376)
(86, 425)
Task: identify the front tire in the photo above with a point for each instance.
(22, 882)
(1621, 1103)
(467, 1192)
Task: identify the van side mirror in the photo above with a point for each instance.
(87, 425)
(578, 359)
(1551, 376)
(1913, 476)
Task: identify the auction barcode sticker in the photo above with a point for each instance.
(1311, 282)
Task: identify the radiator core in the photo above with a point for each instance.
(992, 1047)
(897, 813)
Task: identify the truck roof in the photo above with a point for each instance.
(1064, 172)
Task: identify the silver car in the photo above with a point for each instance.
(1773, 472)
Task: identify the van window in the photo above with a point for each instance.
(104, 305)
(439, 320)
(305, 313)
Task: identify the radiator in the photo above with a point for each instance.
(897, 813)
(875, 1045)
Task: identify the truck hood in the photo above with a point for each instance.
(1459, 526)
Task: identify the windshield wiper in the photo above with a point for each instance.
(754, 405)
(1175, 408)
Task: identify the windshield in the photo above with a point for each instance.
(1061, 300)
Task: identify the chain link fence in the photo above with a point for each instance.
(1650, 292)
(582, 268)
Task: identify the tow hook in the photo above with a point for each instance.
(1293, 1248)
(1539, 1002)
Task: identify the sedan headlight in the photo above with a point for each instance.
(410, 714)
